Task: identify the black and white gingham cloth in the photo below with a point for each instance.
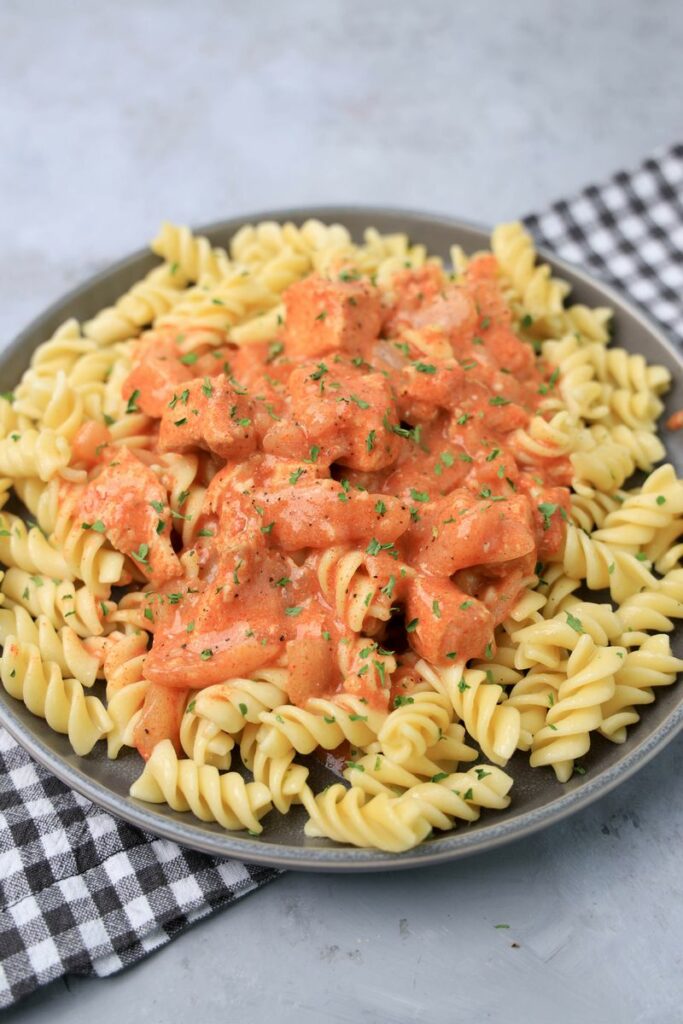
(83, 893)
(629, 232)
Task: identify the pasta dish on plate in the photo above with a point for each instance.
(308, 496)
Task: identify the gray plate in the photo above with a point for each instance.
(538, 800)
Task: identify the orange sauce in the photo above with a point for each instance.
(379, 419)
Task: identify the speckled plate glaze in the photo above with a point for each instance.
(538, 800)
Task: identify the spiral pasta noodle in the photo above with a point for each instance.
(577, 711)
(187, 786)
(44, 691)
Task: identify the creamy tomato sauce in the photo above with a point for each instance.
(381, 420)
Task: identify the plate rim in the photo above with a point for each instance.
(451, 846)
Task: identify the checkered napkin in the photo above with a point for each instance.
(83, 893)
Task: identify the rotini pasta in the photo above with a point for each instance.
(307, 495)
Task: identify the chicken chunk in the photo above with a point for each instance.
(329, 316)
(128, 503)
(212, 414)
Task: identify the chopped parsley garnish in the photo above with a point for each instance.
(132, 401)
(319, 373)
(206, 654)
(314, 453)
(412, 625)
(293, 611)
(547, 510)
(374, 548)
(370, 440)
(436, 608)
(462, 686)
(388, 588)
(425, 367)
(98, 526)
(400, 701)
(465, 605)
(574, 623)
(268, 528)
(296, 475)
(499, 400)
(141, 554)
(661, 499)
(419, 495)
(360, 402)
(189, 359)
(274, 350)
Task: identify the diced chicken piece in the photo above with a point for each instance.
(325, 316)
(410, 291)
(510, 353)
(325, 512)
(128, 503)
(312, 668)
(448, 622)
(482, 282)
(459, 531)
(427, 386)
(348, 415)
(196, 660)
(210, 414)
(157, 372)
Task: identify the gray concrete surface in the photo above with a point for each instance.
(114, 115)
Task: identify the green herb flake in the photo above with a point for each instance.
(547, 510)
(132, 401)
(574, 623)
